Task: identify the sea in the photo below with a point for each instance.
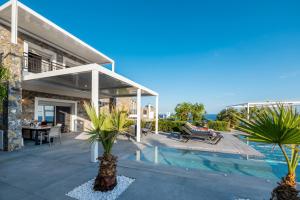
(212, 117)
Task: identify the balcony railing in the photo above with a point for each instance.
(38, 64)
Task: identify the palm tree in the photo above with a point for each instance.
(105, 131)
(280, 126)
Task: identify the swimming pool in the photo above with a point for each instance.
(270, 167)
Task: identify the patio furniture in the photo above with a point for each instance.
(36, 133)
(130, 133)
(147, 129)
(210, 137)
(55, 132)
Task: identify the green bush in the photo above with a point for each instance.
(169, 126)
(129, 123)
(218, 125)
(163, 125)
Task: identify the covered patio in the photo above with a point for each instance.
(90, 82)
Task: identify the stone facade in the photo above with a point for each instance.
(12, 59)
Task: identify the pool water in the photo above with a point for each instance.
(272, 166)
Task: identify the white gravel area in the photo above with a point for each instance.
(86, 192)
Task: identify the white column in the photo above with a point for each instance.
(138, 155)
(138, 115)
(14, 21)
(75, 117)
(95, 103)
(248, 111)
(156, 114)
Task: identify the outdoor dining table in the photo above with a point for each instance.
(36, 131)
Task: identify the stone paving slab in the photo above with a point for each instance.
(41, 172)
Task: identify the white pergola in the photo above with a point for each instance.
(91, 81)
(249, 105)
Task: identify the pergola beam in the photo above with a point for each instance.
(266, 103)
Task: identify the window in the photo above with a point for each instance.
(46, 113)
(59, 58)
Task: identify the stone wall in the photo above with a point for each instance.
(12, 59)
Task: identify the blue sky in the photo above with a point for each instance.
(214, 52)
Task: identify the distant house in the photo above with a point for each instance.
(148, 113)
(164, 115)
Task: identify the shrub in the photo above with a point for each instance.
(163, 125)
(218, 125)
(129, 123)
(169, 126)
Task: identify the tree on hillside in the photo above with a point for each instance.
(229, 115)
(197, 112)
(184, 110)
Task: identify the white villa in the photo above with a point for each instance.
(54, 72)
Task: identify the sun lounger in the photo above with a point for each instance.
(189, 132)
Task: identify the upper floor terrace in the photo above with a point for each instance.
(31, 30)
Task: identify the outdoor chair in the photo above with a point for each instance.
(147, 129)
(130, 133)
(55, 132)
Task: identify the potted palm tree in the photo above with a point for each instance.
(105, 129)
(280, 126)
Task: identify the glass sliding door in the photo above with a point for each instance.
(46, 113)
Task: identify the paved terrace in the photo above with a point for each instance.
(41, 172)
(228, 144)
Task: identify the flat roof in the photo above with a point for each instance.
(76, 81)
(37, 26)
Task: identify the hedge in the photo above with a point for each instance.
(163, 125)
(169, 126)
(218, 125)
